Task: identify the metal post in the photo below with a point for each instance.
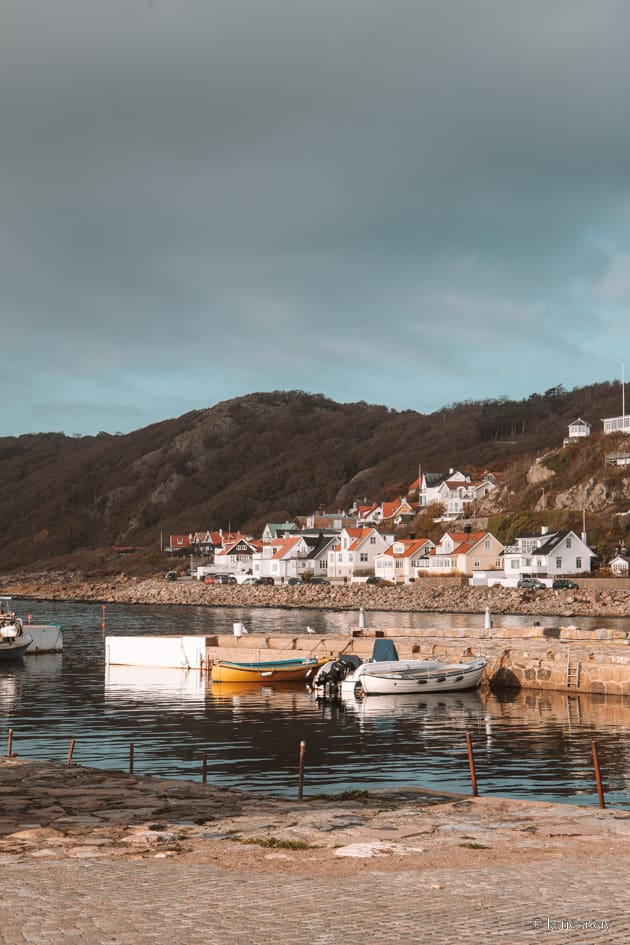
(131, 758)
(10, 743)
(71, 750)
(301, 774)
(598, 776)
(471, 764)
(204, 768)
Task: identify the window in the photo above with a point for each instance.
(399, 563)
(372, 540)
(487, 543)
(558, 562)
(363, 556)
(515, 564)
(477, 563)
(578, 562)
(568, 542)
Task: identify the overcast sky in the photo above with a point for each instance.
(399, 201)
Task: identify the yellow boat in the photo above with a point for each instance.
(271, 671)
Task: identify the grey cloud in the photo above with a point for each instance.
(282, 194)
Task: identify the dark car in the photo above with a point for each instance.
(532, 582)
(564, 584)
(265, 580)
(171, 575)
(294, 581)
(373, 580)
(319, 581)
(225, 579)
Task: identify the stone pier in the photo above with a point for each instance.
(565, 659)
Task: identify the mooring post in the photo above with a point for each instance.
(471, 764)
(204, 768)
(71, 750)
(301, 766)
(10, 743)
(598, 776)
(131, 758)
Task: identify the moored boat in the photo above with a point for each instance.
(386, 674)
(295, 670)
(413, 676)
(13, 641)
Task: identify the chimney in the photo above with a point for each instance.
(544, 529)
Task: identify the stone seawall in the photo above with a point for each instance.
(566, 659)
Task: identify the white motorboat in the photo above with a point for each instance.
(13, 641)
(413, 676)
(386, 674)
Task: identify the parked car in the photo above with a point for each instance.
(294, 581)
(564, 584)
(373, 580)
(532, 582)
(251, 580)
(225, 579)
(265, 580)
(171, 575)
(319, 581)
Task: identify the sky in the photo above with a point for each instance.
(405, 202)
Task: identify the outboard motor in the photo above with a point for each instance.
(332, 673)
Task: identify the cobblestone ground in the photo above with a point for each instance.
(155, 902)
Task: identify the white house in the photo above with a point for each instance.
(464, 553)
(356, 550)
(236, 556)
(619, 565)
(454, 490)
(401, 562)
(549, 554)
(578, 429)
(281, 559)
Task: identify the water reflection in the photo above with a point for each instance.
(527, 744)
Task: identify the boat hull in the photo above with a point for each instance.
(274, 671)
(14, 649)
(404, 679)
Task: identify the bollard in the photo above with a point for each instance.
(131, 758)
(70, 751)
(471, 763)
(598, 776)
(10, 743)
(301, 768)
(204, 768)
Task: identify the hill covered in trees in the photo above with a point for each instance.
(262, 457)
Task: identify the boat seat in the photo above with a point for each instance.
(384, 651)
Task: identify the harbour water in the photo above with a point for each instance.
(527, 744)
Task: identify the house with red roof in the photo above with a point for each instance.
(402, 561)
(464, 553)
(355, 550)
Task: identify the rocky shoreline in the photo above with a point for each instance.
(422, 596)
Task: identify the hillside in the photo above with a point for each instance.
(262, 457)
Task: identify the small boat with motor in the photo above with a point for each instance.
(13, 641)
(386, 674)
(269, 671)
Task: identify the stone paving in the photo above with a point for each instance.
(100, 858)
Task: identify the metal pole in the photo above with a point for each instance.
(301, 775)
(471, 764)
(131, 758)
(71, 750)
(598, 775)
(10, 743)
(204, 768)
